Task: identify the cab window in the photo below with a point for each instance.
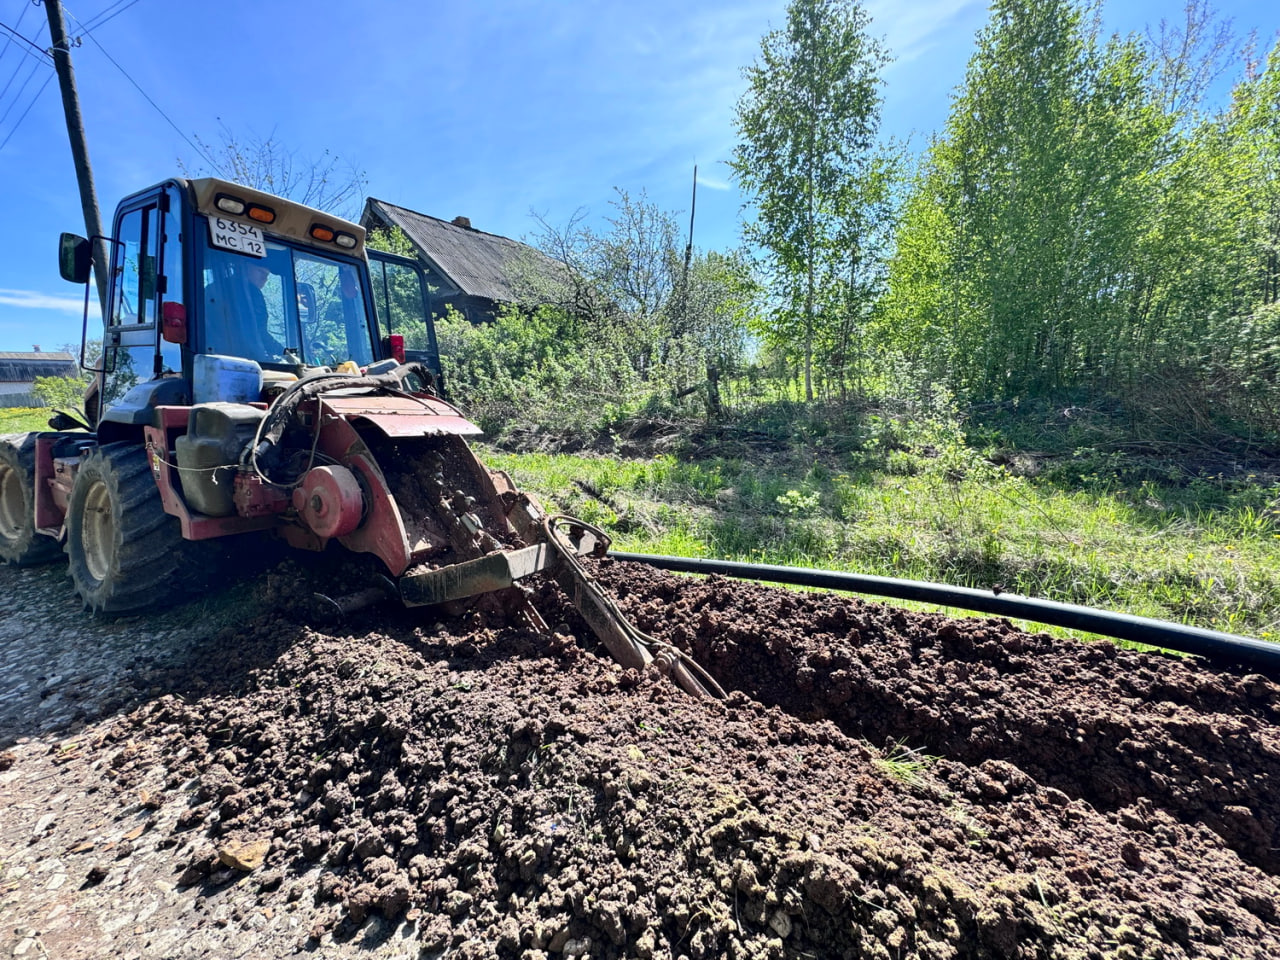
(132, 332)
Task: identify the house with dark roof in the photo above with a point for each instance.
(472, 271)
(18, 373)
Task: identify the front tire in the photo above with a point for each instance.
(125, 552)
(20, 543)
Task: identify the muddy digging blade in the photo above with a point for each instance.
(881, 784)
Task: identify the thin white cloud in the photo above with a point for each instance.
(35, 300)
(910, 29)
(712, 184)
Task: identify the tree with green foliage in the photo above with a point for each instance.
(1254, 122)
(607, 323)
(622, 277)
(1018, 255)
(61, 392)
(1243, 337)
(713, 306)
(807, 125)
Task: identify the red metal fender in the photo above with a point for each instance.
(400, 417)
(51, 496)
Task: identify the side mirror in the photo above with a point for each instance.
(74, 258)
(173, 322)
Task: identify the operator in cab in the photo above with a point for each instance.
(237, 294)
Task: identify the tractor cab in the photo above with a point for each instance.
(209, 268)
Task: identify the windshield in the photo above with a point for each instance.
(291, 306)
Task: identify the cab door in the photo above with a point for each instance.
(402, 299)
(146, 263)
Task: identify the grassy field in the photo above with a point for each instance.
(1204, 552)
(24, 419)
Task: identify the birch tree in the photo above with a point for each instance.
(807, 126)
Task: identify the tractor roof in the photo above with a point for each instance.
(293, 220)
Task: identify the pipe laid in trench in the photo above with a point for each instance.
(1210, 644)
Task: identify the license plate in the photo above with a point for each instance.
(237, 236)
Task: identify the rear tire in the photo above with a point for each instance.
(125, 552)
(20, 543)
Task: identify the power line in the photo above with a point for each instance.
(103, 17)
(8, 40)
(13, 76)
(17, 96)
(189, 141)
(18, 68)
(15, 33)
(26, 111)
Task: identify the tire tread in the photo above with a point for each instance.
(30, 547)
(152, 565)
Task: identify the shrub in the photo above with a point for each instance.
(65, 392)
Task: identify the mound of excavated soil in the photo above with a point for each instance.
(879, 784)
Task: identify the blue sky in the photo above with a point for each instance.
(484, 110)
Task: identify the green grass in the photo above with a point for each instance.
(1204, 552)
(24, 419)
(906, 765)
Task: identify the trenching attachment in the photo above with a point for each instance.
(565, 541)
(572, 539)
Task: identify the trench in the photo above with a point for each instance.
(1117, 729)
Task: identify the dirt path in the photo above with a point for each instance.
(880, 784)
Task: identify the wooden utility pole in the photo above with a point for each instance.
(79, 148)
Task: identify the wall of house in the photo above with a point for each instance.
(18, 395)
(475, 309)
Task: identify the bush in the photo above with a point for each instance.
(66, 392)
(541, 369)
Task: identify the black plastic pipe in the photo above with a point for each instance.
(1215, 646)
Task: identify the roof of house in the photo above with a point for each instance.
(480, 264)
(25, 367)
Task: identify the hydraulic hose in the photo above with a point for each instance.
(1210, 644)
(271, 428)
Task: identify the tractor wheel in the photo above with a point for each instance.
(125, 552)
(20, 544)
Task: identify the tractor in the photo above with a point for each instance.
(264, 374)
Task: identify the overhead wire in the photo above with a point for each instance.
(18, 69)
(102, 18)
(14, 33)
(13, 76)
(43, 57)
(103, 50)
(31, 104)
(8, 41)
(18, 96)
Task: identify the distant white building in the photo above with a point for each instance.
(18, 372)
